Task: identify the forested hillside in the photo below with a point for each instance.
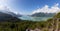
(20, 25)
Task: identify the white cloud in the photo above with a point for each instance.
(4, 7)
(46, 9)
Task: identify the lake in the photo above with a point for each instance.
(34, 18)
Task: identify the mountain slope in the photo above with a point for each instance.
(41, 14)
(11, 13)
(7, 17)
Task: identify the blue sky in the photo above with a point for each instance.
(27, 7)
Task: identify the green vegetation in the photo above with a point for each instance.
(20, 25)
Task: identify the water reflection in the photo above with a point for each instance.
(34, 18)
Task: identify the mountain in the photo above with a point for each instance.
(11, 13)
(7, 17)
(19, 15)
(41, 14)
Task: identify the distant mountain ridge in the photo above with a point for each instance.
(7, 11)
(41, 14)
(8, 17)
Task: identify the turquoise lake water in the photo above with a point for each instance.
(34, 18)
